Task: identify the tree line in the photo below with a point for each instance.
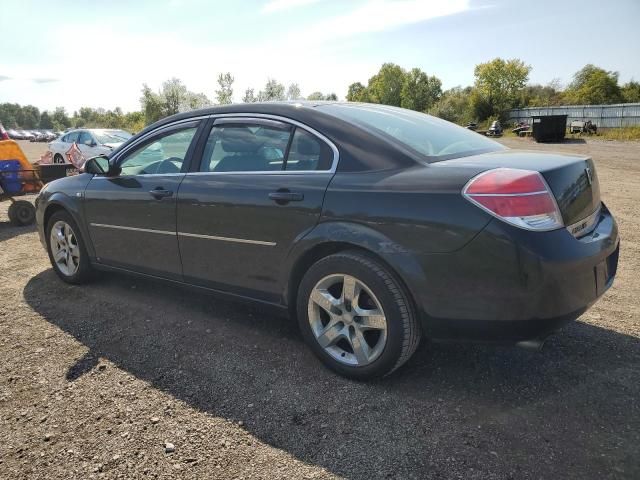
(499, 85)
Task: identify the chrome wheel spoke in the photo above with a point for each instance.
(325, 300)
(350, 290)
(371, 319)
(331, 334)
(60, 255)
(361, 348)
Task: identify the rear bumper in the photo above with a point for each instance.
(510, 285)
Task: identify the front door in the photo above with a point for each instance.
(132, 217)
(260, 187)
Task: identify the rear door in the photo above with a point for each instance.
(260, 186)
(132, 217)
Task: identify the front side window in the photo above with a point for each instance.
(71, 137)
(245, 148)
(85, 139)
(161, 155)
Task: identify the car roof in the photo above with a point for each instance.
(347, 136)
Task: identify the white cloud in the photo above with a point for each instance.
(315, 55)
(276, 5)
(380, 15)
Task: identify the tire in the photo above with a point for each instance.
(57, 158)
(21, 213)
(79, 270)
(390, 317)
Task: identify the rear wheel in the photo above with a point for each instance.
(356, 317)
(67, 250)
(21, 213)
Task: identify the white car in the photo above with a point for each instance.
(90, 142)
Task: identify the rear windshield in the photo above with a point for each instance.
(432, 138)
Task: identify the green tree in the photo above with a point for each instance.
(541, 95)
(499, 83)
(331, 97)
(455, 105)
(31, 116)
(60, 118)
(357, 93)
(151, 104)
(293, 92)
(316, 96)
(45, 121)
(593, 85)
(386, 86)
(249, 96)
(419, 90)
(631, 92)
(224, 94)
(174, 95)
(273, 90)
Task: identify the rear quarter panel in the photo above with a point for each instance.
(421, 209)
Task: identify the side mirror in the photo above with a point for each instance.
(100, 166)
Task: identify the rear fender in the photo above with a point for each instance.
(337, 236)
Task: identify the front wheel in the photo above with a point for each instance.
(67, 250)
(356, 316)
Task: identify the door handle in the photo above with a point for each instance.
(159, 193)
(282, 197)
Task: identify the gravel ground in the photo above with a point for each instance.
(128, 378)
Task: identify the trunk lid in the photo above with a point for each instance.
(571, 178)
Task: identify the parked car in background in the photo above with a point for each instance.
(14, 134)
(91, 142)
(26, 135)
(3, 133)
(373, 225)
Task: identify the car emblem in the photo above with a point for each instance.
(589, 175)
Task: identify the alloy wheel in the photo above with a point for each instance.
(347, 320)
(64, 248)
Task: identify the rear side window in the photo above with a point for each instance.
(248, 147)
(308, 152)
(245, 148)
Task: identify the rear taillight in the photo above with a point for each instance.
(519, 197)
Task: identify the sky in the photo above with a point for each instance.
(98, 54)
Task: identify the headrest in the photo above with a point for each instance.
(239, 140)
(308, 146)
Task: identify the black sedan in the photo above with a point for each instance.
(373, 225)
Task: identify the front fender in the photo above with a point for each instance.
(71, 200)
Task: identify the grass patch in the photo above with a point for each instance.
(624, 133)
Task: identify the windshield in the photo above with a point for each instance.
(429, 136)
(112, 136)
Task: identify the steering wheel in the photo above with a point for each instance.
(168, 165)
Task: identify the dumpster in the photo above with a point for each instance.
(549, 128)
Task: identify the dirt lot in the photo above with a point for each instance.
(94, 381)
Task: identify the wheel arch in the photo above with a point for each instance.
(330, 238)
(61, 202)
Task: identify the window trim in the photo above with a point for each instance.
(260, 118)
(197, 122)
